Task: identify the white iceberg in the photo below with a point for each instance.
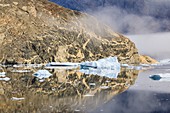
(108, 67)
(110, 63)
(42, 74)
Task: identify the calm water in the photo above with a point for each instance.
(72, 91)
(145, 96)
(64, 91)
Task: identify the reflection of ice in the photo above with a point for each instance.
(5, 79)
(160, 77)
(15, 98)
(42, 74)
(101, 72)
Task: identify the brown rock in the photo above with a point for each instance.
(38, 31)
(147, 60)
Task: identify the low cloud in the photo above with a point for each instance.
(122, 21)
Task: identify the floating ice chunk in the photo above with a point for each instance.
(165, 61)
(19, 65)
(5, 79)
(145, 65)
(15, 98)
(138, 67)
(2, 74)
(21, 71)
(160, 77)
(64, 65)
(105, 63)
(124, 65)
(92, 84)
(41, 80)
(109, 67)
(104, 87)
(42, 74)
(88, 95)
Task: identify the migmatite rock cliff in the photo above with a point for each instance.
(38, 31)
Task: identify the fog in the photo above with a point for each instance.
(128, 23)
(143, 27)
(156, 45)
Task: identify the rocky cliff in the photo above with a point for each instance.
(38, 31)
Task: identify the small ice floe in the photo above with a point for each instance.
(124, 65)
(164, 62)
(145, 65)
(104, 87)
(41, 80)
(5, 79)
(92, 84)
(160, 77)
(42, 74)
(21, 71)
(2, 74)
(88, 95)
(76, 110)
(18, 65)
(15, 98)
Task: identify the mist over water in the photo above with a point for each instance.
(134, 17)
(155, 45)
(121, 21)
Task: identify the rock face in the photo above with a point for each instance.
(147, 60)
(38, 31)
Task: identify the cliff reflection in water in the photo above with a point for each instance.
(64, 91)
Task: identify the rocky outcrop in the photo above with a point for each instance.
(39, 31)
(147, 60)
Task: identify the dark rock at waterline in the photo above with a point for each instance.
(38, 31)
(155, 77)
